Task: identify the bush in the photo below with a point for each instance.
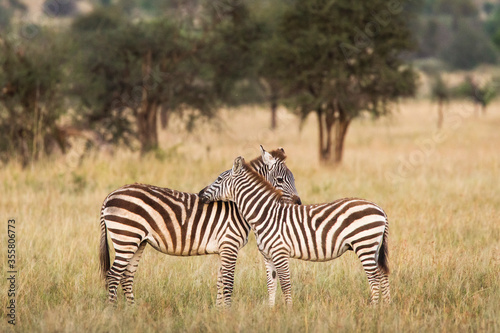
(469, 48)
(30, 96)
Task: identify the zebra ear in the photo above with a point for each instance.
(268, 159)
(238, 164)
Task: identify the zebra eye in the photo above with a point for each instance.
(280, 179)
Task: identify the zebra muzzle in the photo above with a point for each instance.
(203, 198)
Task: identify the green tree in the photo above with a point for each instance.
(428, 38)
(230, 35)
(5, 16)
(458, 10)
(129, 72)
(30, 96)
(7, 9)
(484, 95)
(340, 58)
(480, 94)
(488, 7)
(269, 71)
(440, 92)
(58, 8)
(492, 27)
(469, 47)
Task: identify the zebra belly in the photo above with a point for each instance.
(315, 258)
(211, 247)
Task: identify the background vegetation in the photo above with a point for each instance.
(114, 71)
(97, 94)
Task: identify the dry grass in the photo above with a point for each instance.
(440, 190)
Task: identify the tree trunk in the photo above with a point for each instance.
(274, 108)
(273, 90)
(440, 114)
(164, 115)
(36, 125)
(148, 113)
(322, 155)
(147, 125)
(340, 132)
(329, 122)
(326, 121)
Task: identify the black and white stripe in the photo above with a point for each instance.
(177, 223)
(309, 232)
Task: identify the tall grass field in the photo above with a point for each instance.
(440, 189)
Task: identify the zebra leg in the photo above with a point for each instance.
(127, 280)
(374, 282)
(113, 278)
(373, 274)
(283, 270)
(115, 274)
(367, 256)
(385, 288)
(271, 281)
(225, 277)
(220, 288)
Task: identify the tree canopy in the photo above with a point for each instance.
(31, 99)
(128, 65)
(340, 68)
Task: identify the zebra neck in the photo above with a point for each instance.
(258, 166)
(255, 201)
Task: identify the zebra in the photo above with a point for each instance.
(177, 223)
(319, 232)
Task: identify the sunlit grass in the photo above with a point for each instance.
(441, 196)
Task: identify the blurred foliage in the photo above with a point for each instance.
(7, 10)
(5, 17)
(441, 93)
(128, 63)
(136, 70)
(139, 69)
(439, 90)
(468, 48)
(341, 68)
(456, 8)
(481, 94)
(31, 98)
(58, 8)
(230, 34)
(492, 26)
(457, 32)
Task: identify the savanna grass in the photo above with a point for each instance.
(440, 190)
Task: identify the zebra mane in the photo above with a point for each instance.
(254, 175)
(277, 153)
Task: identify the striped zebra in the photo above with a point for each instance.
(177, 223)
(309, 232)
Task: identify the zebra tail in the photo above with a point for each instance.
(104, 249)
(383, 257)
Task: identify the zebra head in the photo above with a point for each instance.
(222, 189)
(278, 174)
(271, 166)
